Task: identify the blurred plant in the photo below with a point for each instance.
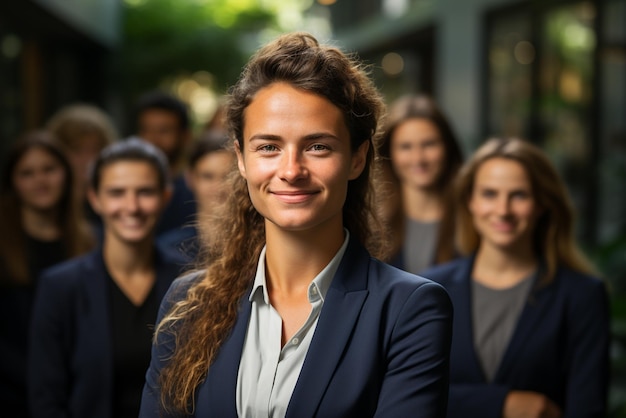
(169, 41)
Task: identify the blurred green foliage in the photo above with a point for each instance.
(164, 38)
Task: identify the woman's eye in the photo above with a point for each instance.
(268, 148)
(319, 147)
(521, 195)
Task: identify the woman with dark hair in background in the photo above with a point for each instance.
(420, 156)
(40, 226)
(292, 316)
(208, 164)
(531, 323)
(93, 316)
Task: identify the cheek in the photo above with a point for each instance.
(21, 186)
(477, 208)
(152, 205)
(399, 158)
(58, 179)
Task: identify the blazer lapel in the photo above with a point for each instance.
(217, 395)
(461, 296)
(535, 310)
(339, 316)
(95, 315)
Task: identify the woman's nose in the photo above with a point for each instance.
(292, 167)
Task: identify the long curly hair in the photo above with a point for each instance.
(233, 239)
(554, 241)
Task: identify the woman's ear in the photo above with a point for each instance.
(357, 163)
(92, 198)
(240, 163)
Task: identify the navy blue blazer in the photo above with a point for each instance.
(560, 346)
(71, 359)
(380, 348)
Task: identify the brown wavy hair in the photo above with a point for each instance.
(202, 321)
(75, 232)
(406, 108)
(554, 241)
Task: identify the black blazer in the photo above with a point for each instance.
(380, 349)
(70, 361)
(560, 346)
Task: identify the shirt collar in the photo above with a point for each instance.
(319, 285)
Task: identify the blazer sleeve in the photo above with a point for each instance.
(588, 353)
(417, 375)
(162, 350)
(48, 368)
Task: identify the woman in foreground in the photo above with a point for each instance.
(293, 317)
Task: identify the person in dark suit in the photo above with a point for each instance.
(94, 315)
(531, 324)
(41, 225)
(293, 316)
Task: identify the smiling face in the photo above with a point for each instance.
(502, 205)
(130, 200)
(296, 159)
(417, 153)
(39, 180)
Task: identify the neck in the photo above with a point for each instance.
(41, 224)
(125, 260)
(502, 268)
(421, 204)
(293, 259)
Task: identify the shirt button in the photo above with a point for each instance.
(314, 290)
(295, 341)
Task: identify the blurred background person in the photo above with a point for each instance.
(40, 226)
(210, 160)
(84, 130)
(531, 324)
(163, 120)
(92, 322)
(420, 156)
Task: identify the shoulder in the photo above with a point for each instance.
(579, 286)
(72, 270)
(391, 283)
(450, 272)
(170, 257)
(180, 286)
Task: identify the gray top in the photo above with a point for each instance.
(420, 244)
(268, 372)
(494, 316)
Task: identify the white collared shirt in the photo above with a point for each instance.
(268, 374)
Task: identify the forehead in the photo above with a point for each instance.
(280, 105)
(416, 128)
(36, 155)
(128, 172)
(157, 117)
(215, 160)
(502, 171)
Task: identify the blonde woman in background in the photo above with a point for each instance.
(420, 156)
(531, 323)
